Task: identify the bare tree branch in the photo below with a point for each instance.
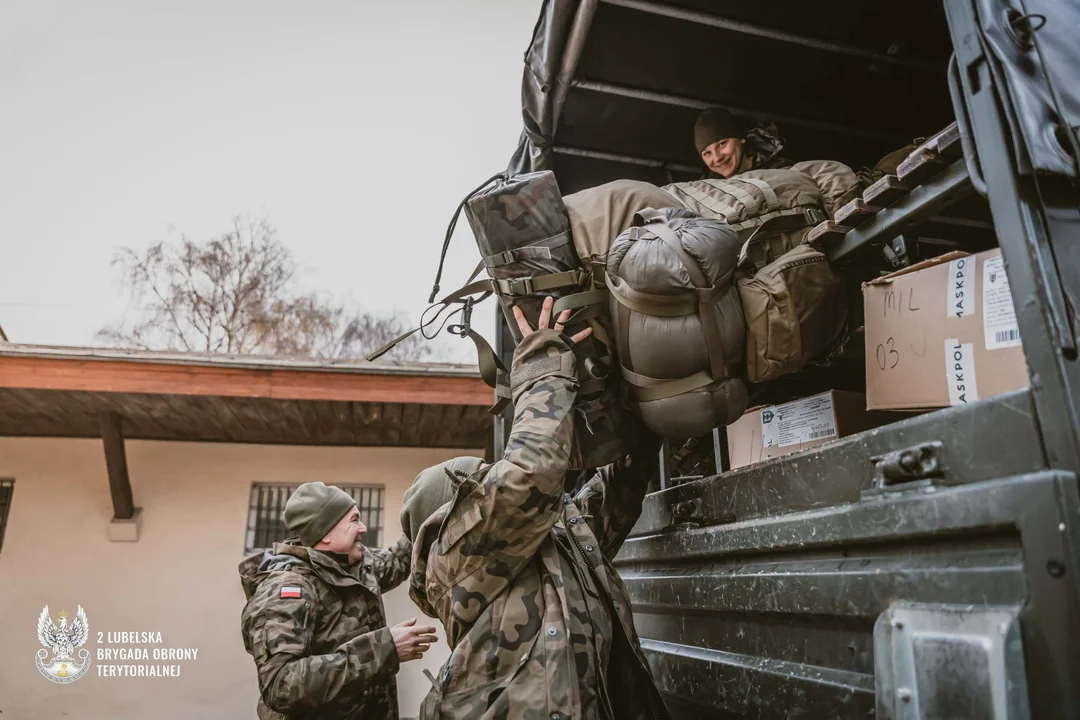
(236, 293)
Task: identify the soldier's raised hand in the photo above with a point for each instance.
(544, 320)
(412, 640)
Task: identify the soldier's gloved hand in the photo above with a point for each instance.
(544, 319)
(412, 640)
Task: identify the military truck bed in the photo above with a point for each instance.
(927, 568)
(757, 591)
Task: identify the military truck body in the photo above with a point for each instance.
(929, 568)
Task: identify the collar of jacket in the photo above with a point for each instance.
(429, 532)
(327, 565)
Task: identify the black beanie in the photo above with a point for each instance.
(716, 124)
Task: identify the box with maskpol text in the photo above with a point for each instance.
(942, 332)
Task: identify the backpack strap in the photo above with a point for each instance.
(538, 250)
(492, 370)
(728, 186)
(591, 302)
(771, 201)
(754, 250)
(646, 389)
(650, 304)
(656, 223)
(520, 285)
(713, 204)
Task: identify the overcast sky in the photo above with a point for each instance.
(354, 126)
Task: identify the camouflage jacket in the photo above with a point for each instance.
(520, 575)
(318, 633)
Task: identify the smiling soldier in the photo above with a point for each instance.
(314, 620)
(730, 145)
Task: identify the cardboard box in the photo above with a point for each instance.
(770, 431)
(940, 333)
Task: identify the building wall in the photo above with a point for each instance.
(179, 579)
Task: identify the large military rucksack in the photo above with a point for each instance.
(678, 321)
(523, 232)
(793, 299)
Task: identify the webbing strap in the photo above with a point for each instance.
(471, 288)
(578, 300)
(519, 286)
(679, 194)
(393, 343)
(390, 345)
(541, 250)
(657, 225)
(598, 266)
(710, 328)
(476, 271)
(622, 334)
(705, 295)
(666, 388)
(729, 187)
(538, 283)
(813, 216)
(503, 397)
(648, 303)
(589, 313)
(492, 371)
(807, 217)
(771, 201)
(725, 211)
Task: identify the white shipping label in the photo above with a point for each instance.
(999, 318)
(960, 372)
(960, 288)
(798, 422)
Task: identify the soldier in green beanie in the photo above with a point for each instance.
(729, 145)
(314, 620)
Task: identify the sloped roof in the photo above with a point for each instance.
(62, 391)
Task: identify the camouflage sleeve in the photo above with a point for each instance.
(613, 496)
(392, 564)
(495, 530)
(278, 633)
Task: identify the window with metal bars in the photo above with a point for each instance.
(266, 522)
(7, 487)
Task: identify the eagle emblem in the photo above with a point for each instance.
(69, 662)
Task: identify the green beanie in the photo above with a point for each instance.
(314, 509)
(432, 489)
(716, 124)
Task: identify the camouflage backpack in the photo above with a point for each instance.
(523, 232)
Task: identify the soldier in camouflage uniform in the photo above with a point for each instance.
(314, 620)
(520, 574)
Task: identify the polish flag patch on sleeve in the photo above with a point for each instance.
(291, 591)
